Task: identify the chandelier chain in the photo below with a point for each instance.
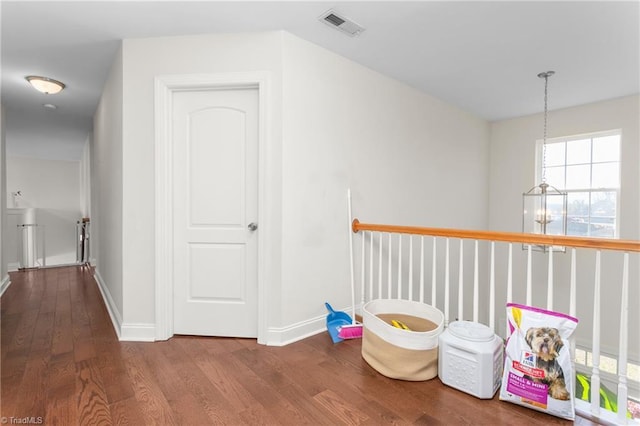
(544, 134)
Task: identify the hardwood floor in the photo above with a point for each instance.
(63, 365)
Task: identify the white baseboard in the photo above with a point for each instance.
(13, 266)
(6, 282)
(116, 316)
(281, 336)
(138, 332)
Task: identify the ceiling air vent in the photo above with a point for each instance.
(341, 23)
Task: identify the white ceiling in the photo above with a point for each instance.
(480, 56)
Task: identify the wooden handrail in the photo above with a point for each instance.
(512, 237)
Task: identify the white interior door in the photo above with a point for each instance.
(215, 212)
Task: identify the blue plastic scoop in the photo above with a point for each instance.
(335, 320)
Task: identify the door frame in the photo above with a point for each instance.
(165, 87)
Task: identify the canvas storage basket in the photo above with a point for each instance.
(396, 353)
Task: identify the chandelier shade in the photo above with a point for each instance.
(544, 210)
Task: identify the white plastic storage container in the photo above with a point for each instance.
(470, 358)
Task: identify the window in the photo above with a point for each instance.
(587, 168)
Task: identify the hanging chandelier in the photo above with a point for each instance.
(544, 207)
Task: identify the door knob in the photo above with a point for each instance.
(252, 226)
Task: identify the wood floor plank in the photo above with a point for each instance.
(346, 412)
(23, 334)
(274, 374)
(14, 363)
(62, 407)
(8, 394)
(165, 374)
(219, 373)
(32, 391)
(256, 414)
(151, 400)
(126, 412)
(62, 340)
(205, 393)
(8, 328)
(187, 411)
(363, 377)
(93, 407)
(381, 415)
(117, 385)
(43, 332)
(61, 371)
(265, 391)
(314, 413)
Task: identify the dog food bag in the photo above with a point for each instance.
(537, 371)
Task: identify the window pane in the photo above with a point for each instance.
(603, 214)
(606, 148)
(579, 152)
(554, 154)
(578, 177)
(578, 213)
(555, 176)
(587, 167)
(606, 175)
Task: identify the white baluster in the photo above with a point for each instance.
(362, 266)
(509, 282)
(421, 268)
(572, 285)
(595, 375)
(433, 273)
(410, 267)
(510, 275)
(476, 295)
(624, 335)
(492, 288)
(370, 269)
(380, 266)
(529, 286)
(572, 312)
(550, 280)
(460, 283)
(446, 285)
(389, 270)
(399, 266)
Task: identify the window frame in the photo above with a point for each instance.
(592, 135)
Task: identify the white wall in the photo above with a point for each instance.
(85, 179)
(53, 188)
(408, 158)
(512, 172)
(107, 239)
(4, 276)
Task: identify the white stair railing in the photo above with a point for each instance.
(407, 266)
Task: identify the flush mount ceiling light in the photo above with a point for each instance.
(45, 85)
